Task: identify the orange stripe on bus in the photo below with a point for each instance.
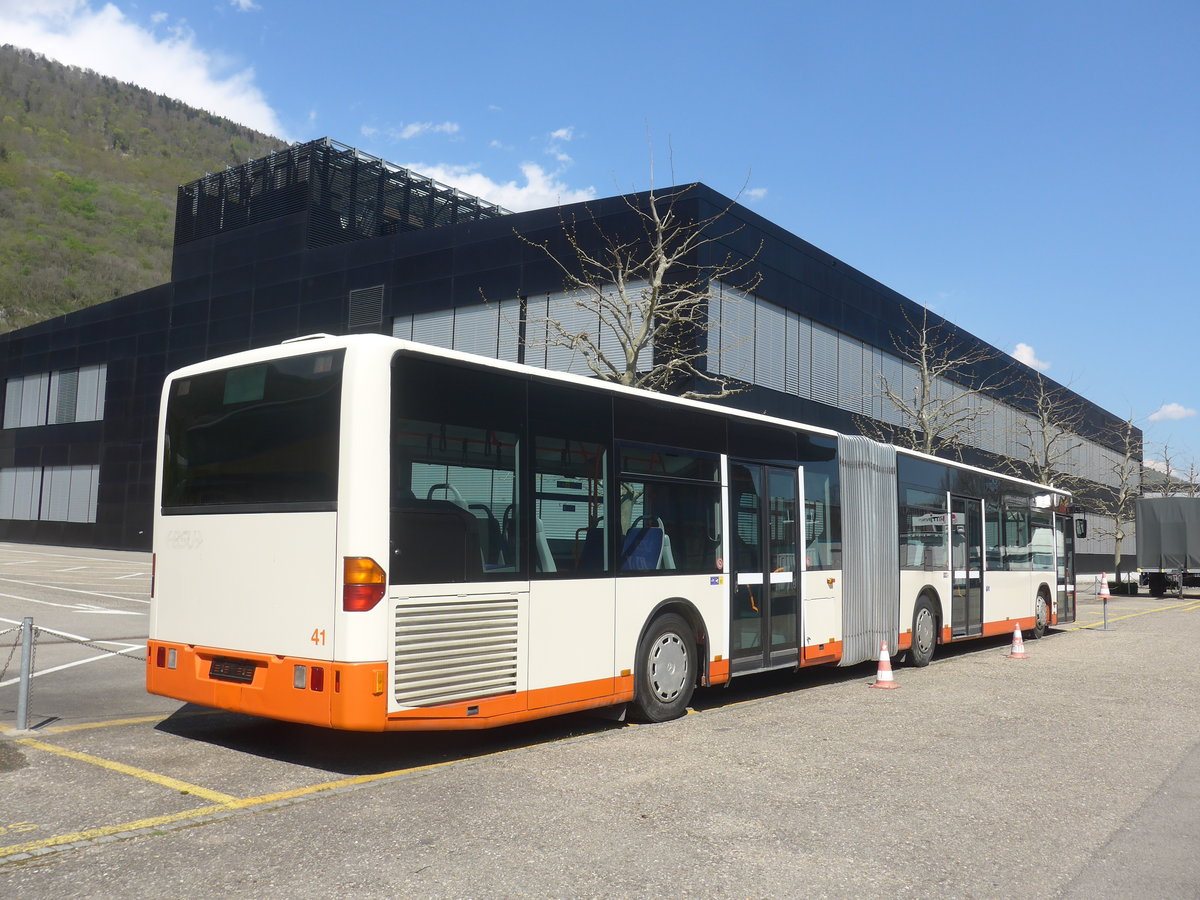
(820, 654)
(992, 629)
(351, 699)
(718, 671)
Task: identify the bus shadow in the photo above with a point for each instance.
(772, 684)
(350, 753)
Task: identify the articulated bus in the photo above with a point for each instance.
(372, 534)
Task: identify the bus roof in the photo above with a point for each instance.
(313, 343)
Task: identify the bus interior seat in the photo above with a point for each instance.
(544, 559)
(592, 555)
(494, 549)
(436, 540)
(643, 549)
(667, 560)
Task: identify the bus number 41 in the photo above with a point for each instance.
(318, 637)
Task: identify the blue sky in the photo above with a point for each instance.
(1027, 169)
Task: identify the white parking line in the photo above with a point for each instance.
(82, 662)
(75, 556)
(54, 631)
(55, 587)
(76, 607)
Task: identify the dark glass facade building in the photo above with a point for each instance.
(323, 238)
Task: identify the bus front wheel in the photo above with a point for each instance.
(666, 670)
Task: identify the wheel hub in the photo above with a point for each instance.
(668, 667)
(923, 631)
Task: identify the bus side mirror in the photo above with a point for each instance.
(1081, 528)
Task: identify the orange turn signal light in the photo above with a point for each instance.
(363, 583)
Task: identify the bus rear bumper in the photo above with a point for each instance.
(310, 691)
(347, 696)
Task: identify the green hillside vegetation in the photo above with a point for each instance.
(89, 168)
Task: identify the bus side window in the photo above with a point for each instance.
(570, 488)
(822, 517)
(669, 510)
(456, 449)
(454, 488)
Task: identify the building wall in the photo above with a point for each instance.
(825, 326)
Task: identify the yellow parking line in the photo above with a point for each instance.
(1186, 607)
(225, 803)
(162, 780)
(140, 720)
(348, 782)
(106, 830)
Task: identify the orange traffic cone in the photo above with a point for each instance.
(883, 678)
(1102, 591)
(1018, 645)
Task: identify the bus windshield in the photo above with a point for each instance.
(255, 438)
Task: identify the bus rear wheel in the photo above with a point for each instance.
(924, 632)
(665, 676)
(1041, 615)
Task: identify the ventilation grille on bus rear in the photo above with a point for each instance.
(455, 649)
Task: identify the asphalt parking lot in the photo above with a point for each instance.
(1073, 773)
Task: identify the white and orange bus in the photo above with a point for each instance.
(371, 534)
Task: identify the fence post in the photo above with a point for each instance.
(26, 673)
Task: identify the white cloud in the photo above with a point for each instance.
(244, 5)
(540, 188)
(755, 193)
(104, 40)
(1171, 411)
(1156, 464)
(557, 137)
(416, 129)
(1024, 353)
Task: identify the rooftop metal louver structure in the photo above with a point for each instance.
(348, 195)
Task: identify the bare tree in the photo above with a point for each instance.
(1192, 487)
(1116, 500)
(1048, 436)
(940, 413)
(1162, 472)
(651, 291)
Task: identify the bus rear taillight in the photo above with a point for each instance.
(363, 583)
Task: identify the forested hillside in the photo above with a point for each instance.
(88, 171)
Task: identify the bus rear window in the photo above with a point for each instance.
(255, 438)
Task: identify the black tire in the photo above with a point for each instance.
(1041, 616)
(665, 674)
(924, 632)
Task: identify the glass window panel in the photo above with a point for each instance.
(570, 493)
(476, 329)
(253, 435)
(770, 331)
(456, 445)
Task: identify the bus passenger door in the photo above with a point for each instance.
(1064, 567)
(764, 614)
(966, 542)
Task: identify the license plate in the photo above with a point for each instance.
(238, 670)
